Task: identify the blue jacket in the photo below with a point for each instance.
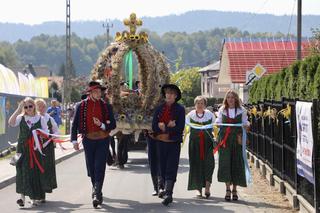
(179, 114)
(77, 127)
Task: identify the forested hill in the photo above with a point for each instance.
(181, 49)
(189, 22)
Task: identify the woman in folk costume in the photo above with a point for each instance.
(94, 120)
(167, 126)
(49, 178)
(201, 158)
(29, 166)
(231, 169)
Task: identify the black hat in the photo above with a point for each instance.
(95, 85)
(173, 87)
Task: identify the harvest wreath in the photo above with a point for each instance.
(135, 110)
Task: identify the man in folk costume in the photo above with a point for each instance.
(94, 120)
(167, 126)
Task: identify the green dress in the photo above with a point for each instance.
(201, 162)
(28, 180)
(49, 178)
(231, 164)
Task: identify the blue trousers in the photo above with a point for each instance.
(169, 155)
(153, 156)
(96, 158)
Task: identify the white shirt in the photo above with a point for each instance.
(55, 129)
(232, 114)
(31, 120)
(206, 117)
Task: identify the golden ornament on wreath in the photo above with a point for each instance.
(135, 110)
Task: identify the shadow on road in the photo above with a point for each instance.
(179, 205)
(141, 166)
(54, 206)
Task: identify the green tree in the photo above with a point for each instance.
(252, 92)
(315, 42)
(291, 78)
(188, 81)
(279, 87)
(75, 95)
(302, 83)
(316, 84)
(8, 55)
(312, 65)
(53, 90)
(272, 81)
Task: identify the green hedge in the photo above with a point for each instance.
(300, 80)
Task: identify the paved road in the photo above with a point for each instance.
(127, 190)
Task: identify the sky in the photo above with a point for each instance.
(39, 11)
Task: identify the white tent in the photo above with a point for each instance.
(8, 81)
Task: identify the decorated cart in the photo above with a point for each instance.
(133, 111)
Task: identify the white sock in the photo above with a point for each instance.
(22, 197)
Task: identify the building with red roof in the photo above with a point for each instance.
(241, 55)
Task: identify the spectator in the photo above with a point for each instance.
(55, 112)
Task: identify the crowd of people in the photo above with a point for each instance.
(93, 119)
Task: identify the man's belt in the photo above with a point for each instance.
(97, 135)
(164, 137)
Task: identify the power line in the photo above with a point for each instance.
(288, 33)
(251, 18)
(108, 25)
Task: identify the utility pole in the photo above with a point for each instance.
(299, 19)
(108, 25)
(68, 74)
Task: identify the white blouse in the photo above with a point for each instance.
(232, 114)
(55, 129)
(206, 117)
(31, 120)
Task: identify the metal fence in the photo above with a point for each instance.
(273, 139)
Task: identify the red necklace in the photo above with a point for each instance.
(198, 114)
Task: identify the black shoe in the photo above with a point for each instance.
(234, 195)
(228, 195)
(207, 194)
(167, 200)
(20, 202)
(95, 203)
(169, 189)
(120, 166)
(97, 195)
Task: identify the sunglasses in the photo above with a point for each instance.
(30, 107)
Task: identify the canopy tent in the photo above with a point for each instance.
(23, 85)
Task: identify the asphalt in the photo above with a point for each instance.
(8, 172)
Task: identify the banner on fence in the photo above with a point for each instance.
(304, 140)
